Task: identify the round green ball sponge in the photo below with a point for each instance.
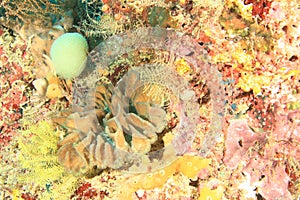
(68, 54)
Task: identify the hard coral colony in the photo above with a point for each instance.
(163, 99)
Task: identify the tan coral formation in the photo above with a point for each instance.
(142, 131)
(116, 121)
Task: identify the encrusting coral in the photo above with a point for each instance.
(244, 149)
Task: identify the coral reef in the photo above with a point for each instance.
(115, 128)
(41, 12)
(119, 126)
(15, 73)
(245, 148)
(151, 38)
(180, 99)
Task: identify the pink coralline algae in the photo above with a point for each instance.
(263, 156)
(10, 114)
(238, 141)
(286, 135)
(276, 184)
(12, 86)
(270, 178)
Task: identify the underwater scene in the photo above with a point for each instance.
(149, 99)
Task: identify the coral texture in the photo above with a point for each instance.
(122, 124)
(145, 119)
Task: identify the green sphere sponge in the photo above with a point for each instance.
(68, 54)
